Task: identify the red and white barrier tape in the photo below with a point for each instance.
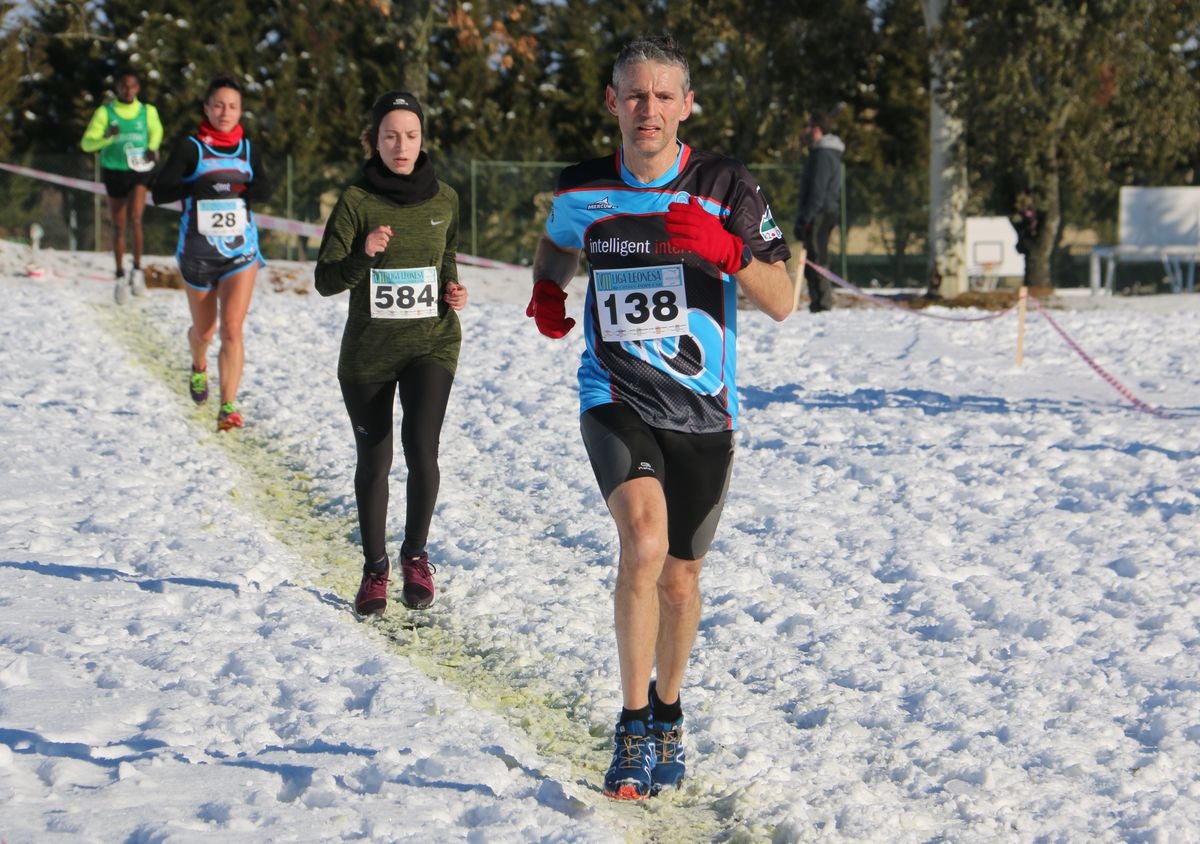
(266, 221)
(1113, 382)
(54, 178)
(1117, 385)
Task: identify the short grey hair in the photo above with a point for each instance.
(652, 48)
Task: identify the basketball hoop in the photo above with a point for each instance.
(986, 280)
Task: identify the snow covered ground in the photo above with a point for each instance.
(950, 599)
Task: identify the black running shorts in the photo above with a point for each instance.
(120, 183)
(693, 469)
(205, 273)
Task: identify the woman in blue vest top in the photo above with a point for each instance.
(217, 174)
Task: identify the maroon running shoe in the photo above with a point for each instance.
(418, 580)
(372, 592)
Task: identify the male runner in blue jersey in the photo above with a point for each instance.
(670, 233)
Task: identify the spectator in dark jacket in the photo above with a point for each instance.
(820, 190)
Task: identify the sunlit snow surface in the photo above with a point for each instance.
(949, 598)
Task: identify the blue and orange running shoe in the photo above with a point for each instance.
(669, 759)
(198, 385)
(629, 775)
(229, 417)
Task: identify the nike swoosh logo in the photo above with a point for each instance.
(436, 222)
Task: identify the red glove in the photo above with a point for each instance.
(693, 229)
(548, 310)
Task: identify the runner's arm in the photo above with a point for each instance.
(95, 137)
(154, 129)
(553, 269)
(769, 287)
(259, 190)
(168, 185)
(554, 263)
(342, 263)
(449, 265)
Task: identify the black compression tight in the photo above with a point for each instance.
(424, 390)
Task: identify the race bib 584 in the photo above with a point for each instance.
(404, 294)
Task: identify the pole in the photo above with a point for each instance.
(1022, 298)
(72, 221)
(294, 240)
(96, 218)
(842, 206)
(474, 213)
(798, 276)
(948, 186)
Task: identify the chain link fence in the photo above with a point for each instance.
(503, 207)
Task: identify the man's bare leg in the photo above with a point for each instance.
(678, 621)
(640, 511)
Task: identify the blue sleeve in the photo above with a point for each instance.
(562, 227)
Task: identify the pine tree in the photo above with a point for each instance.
(393, 43)
(1060, 97)
(758, 69)
(179, 46)
(316, 105)
(67, 75)
(487, 106)
(888, 182)
(10, 72)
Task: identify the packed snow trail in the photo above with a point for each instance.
(949, 598)
(530, 695)
(909, 526)
(162, 676)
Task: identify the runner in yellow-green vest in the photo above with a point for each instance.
(126, 134)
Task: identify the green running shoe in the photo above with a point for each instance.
(229, 417)
(198, 385)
